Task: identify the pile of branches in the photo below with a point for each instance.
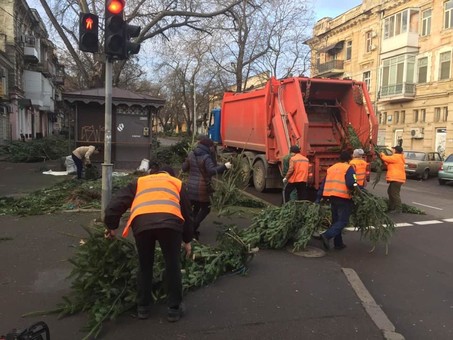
(104, 273)
(36, 150)
(297, 221)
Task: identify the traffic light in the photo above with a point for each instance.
(88, 32)
(132, 32)
(115, 34)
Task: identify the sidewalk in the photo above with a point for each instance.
(283, 296)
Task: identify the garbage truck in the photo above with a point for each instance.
(322, 116)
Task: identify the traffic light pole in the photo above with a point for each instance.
(107, 166)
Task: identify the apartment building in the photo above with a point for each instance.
(32, 77)
(402, 49)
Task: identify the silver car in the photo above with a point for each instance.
(422, 164)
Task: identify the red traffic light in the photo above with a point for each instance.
(89, 23)
(115, 6)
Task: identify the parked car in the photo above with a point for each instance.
(422, 164)
(446, 170)
(377, 162)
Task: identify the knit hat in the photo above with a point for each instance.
(168, 169)
(345, 156)
(358, 153)
(398, 149)
(294, 149)
(207, 142)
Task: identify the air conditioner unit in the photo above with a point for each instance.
(416, 133)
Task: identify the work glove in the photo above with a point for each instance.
(228, 165)
(285, 180)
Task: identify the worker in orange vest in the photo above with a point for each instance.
(396, 177)
(337, 186)
(360, 166)
(297, 175)
(160, 211)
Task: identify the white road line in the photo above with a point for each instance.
(375, 312)
(448, 219)
(403, 225)
(427, 206)
(428, 222)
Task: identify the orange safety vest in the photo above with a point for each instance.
(335, 184)
(300, 168)
(158, 193)
(395, 167)
(360, 170)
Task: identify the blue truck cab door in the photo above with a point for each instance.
(214, 126)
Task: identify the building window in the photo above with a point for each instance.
(398, 75)
(436, 114)
(348, 50)
(445, 113)
(423, 115)
(383, 118)
(422, 70)
(415, 116)
(402, 117)
(368, 41)
(426, 22)
(448, 14)
(444, 65)
(396, 114)
(367, 79)
(399, 23)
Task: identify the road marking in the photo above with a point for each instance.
(375, 312)
(427, 206)
(398, 225)
(428, 222)
(411, 224)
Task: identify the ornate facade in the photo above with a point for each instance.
(403, 50)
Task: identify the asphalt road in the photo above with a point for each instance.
(413, 282)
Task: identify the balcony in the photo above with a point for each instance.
(331, 68)
(397, 93)
(31, 53)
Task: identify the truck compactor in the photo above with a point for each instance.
(322, 116)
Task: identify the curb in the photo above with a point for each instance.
(371, 307)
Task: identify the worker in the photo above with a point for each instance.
(297, 175)
(160, 211)
(201, 165)
(82, 155)
(337, 186)
(360, 167)
(396, 177)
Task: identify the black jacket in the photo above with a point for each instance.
(123, 200)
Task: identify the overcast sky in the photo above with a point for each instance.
(333, 8)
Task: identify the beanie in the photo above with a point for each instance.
(295, 149)
(207, 142)
(358, 153)
(345, 156)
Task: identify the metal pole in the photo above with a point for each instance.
(107, 165)
(194, 110)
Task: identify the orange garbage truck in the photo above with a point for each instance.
(321, 116)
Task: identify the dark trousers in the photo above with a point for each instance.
(200, 210)
(341, 211)
(300, 188)
(170, 243)
(79, 164)
(393, 191)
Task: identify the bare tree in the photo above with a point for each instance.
(156, 17)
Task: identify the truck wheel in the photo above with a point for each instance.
(245, 171)
(259, 176)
